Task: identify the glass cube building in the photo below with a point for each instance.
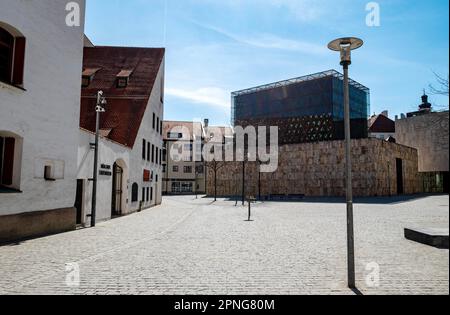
(306, 109)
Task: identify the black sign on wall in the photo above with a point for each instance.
(105, 170)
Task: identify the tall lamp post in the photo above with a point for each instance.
(101, 102)
(345, 46)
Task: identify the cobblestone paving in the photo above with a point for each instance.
(189, 246)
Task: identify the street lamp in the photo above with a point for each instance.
(345, 46)
(101, 102)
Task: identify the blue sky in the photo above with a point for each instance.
(215, 47)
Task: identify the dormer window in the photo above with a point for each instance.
(123, 78)
(88, 75)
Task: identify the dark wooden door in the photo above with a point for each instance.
(400, 187)
(116, 207)
(79, 200)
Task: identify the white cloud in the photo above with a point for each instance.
(269, 41)
(212, 96)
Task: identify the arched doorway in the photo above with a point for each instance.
(118, 189)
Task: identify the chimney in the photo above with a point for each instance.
(385, 113)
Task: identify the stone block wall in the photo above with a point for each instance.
(318, 169)
(429, 134)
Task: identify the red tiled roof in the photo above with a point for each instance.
(126, 106)
(381, 123)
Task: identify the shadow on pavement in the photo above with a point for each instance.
(357, 200)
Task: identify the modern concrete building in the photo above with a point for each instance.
(184, 169)
(428, 132)
(40, 75)
(131, 144)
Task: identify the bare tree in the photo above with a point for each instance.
(442, 85)
(215, 166)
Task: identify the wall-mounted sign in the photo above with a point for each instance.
(105, 170)
(105, 173)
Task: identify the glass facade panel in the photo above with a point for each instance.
(313, 97)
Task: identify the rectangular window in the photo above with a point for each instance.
(161, 127)
(176, 187)
(148, 151)
(122, 83)
(164, 168)
(144, 145)
(148, 194)
(175, 169)
(200, 169)
(164, 155)
(188, 169)
(153, 153)
(154, 120)
(157, 125)
(143, 194)
(186, 187)
(157, 155)
(151, 194)
(174, 135)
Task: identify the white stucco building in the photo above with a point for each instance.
(40, 67)
(131, 143)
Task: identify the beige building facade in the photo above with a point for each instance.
(429, 134)
(183, 166)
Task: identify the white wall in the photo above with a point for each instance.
(110, 152)
(46, 114)
(146, 132)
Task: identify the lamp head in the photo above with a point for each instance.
(345, 45)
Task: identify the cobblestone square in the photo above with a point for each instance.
(189, 246)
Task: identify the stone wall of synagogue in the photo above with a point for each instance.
(318, 169)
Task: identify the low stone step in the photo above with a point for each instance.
(432, 236)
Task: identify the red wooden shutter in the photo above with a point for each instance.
(147, 175)
(8, 161)
(19, 60)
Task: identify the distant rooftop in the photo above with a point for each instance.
(324, 74)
